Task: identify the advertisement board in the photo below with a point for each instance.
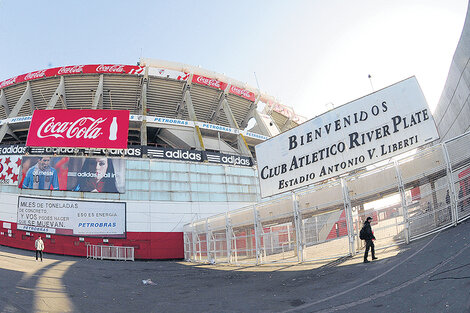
(131, 151)
(72, 217)
(88, 174)
(10, 163)
(198, 156)
(373, 128)
(79, 128)
(75, 70)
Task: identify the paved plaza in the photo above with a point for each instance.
(429, 275)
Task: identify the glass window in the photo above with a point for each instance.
(160, 196)
(160, 176)
(180, 196)
(138, 164)
(137, 174)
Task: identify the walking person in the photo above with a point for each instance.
(368, 236)
(39, 244)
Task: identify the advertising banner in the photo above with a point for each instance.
(79, 128)
(73, 70)
(209, 82)
(198, 156)
(242, 93)
(72, 217)
(175, 154)
(373, 128)
(9, 169)
(228, 159)
(131, 151)
(100, 174)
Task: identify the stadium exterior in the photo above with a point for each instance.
(189, 153)
(409, 197)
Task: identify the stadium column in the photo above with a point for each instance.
(58, 94)
(251, 112)
(143, 125)
(27, 96)
(3, 103)
(242, 145)
(98, 99)
(188, 103)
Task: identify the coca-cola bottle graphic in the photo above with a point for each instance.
(113, 129)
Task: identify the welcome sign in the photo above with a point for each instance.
(376, 127)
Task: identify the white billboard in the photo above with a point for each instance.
(373, 128)
(72, 217)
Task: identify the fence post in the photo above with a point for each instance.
(298, 229)
(349, 219)
(193, 236)
(228, 237)
(450, 178)
(401, 188)
(258, 230)
(208, 242)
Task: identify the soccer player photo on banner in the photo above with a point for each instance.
(100, 174)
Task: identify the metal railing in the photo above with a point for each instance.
(110, 252)
(408, 198)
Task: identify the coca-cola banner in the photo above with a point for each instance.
(79, 128)
(242, 93)
(72, 217)
(210, 82)
(75, 69)
(86, 174)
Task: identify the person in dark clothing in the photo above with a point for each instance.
(369, 237)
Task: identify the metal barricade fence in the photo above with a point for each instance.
(409, 198)
(110, 252)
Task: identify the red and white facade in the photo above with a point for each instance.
(176, 154)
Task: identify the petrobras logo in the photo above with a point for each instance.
(110, 68)
(34, 75)
(75, 69)
(76, 129)
(183, 155)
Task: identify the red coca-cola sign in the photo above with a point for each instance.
(75, 69)
(211, 82)
(79, 128)
(242, 93)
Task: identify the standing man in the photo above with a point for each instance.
(39, 244)
(368, 237)
(42, 176)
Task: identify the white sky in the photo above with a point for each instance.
(304, 53)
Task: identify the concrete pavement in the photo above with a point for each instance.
(429, 275)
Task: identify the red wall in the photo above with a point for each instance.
(147, 245)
